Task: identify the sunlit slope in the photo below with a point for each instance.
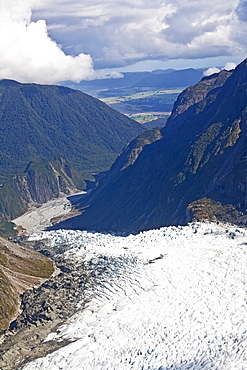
(20, 269)
(51, 139)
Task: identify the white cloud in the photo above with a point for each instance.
(229, 66)
(53, 40)
(114, 74)
(120, 33)
(28, 54)
(210, 71)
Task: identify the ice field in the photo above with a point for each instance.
(173, 298)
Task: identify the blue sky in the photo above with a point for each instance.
(48, 41)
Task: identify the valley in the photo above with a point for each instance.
(200, 153)
(46, 215)
(55, 146)
(150, 108)
(143, 105)
(63, 146)
(138, 282)
(143, 96)
(123, 185)
(172, 298)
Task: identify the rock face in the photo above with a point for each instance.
(51, 139)
(202, 153)
(20, 269)
(45, 307)
(41, 181)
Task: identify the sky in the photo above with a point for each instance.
(49, 41)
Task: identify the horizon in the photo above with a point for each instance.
(52, 41)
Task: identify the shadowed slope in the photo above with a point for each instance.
(202, 154)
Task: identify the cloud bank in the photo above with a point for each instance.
(48, 41)
(118, 34)
(28, 54)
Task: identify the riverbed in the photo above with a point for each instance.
(46, 215)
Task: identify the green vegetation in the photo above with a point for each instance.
(148, 117)
(11, 202)
(8, 301)
(134, 149)
(127, 95)
(210, 210)
(35, 265)
(198, 149)
(201, 155)
(132, 102)
(52, 139)
(7, 229)
(50, 122)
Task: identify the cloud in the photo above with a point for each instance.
(228, 66)
(48, 41)
(113, 74)
(210, 71)
(241, 10)
(121, 33)
(28, 54)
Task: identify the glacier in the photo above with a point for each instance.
(172, 298)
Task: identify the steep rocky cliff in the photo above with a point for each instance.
(202, 154)
(41, 181)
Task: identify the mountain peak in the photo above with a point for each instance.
(7, 82)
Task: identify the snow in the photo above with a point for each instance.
(173, 298)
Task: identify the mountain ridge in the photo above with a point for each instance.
(158, 78)
(201, 154)
(52, 139)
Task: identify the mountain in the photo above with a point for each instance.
(20, 269)
(201, 154)
(142, 93)
(52, 138)
(167, 78)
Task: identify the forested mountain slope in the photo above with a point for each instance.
(51, 139)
